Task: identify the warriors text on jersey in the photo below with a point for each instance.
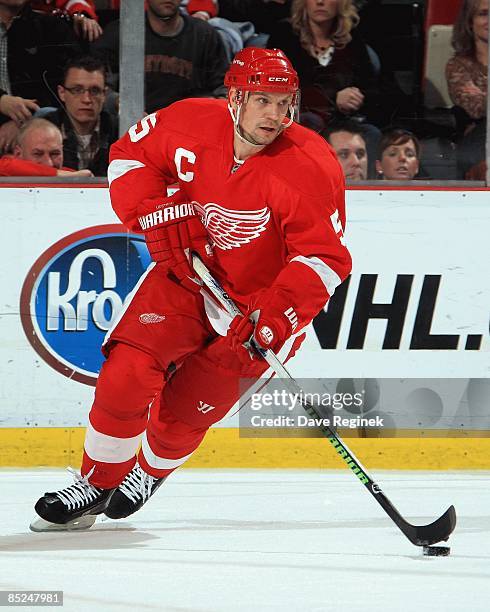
(274, 221)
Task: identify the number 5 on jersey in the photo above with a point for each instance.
(142, 128)
(337, 226)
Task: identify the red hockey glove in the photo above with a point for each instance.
(172, 231)
(274, 326)
(239, 333)
(276, 319)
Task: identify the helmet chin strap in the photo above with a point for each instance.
(238, 129)
(236, 120)
(291, 118)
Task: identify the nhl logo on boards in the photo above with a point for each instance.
(74, 293)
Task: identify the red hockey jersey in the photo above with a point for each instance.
(276, 221)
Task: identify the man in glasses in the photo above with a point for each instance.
(88, 130)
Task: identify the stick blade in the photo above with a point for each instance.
(439, 530)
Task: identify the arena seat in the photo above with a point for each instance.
(438, 50)
(440, 16)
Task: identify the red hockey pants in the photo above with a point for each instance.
(139, 400)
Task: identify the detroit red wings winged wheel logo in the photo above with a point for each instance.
(230, 229)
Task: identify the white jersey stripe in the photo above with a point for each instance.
(160, 463)
(119, 167)
(329, 278)
(101, 447)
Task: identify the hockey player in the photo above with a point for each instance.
(261, 199)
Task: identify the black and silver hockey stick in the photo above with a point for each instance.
(420, 535)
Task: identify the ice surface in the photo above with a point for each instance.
(242, 540)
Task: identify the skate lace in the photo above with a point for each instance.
(79, 493)
(137, 484)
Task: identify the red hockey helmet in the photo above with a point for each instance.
(256, 69)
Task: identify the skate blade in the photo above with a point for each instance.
(84, 522)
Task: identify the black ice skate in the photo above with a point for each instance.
(134, 491)
(75, 507)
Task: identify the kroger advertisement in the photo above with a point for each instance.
(415, 307)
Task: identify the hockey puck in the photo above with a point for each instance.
(436, 551)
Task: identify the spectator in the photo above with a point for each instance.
(81, 12)
(33, 47)
(38, 152)
(336, 73)
(184, 57)
(263, 14)
(399, 155)
(235, 35)
(347, 139)
(88, 130)
(466, 74)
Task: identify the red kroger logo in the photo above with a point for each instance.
(74, 293)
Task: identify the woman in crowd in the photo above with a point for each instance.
(337, 75)
(336, 72)
(466, 74)
(399, 155)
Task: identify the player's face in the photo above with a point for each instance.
(480, 22)
(352, 154)
(42, 146)
(399, 161)
(164, 8)
(262, 116)
(83, 94)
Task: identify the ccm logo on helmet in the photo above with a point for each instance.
(279, 79)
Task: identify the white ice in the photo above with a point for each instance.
(242, 540)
